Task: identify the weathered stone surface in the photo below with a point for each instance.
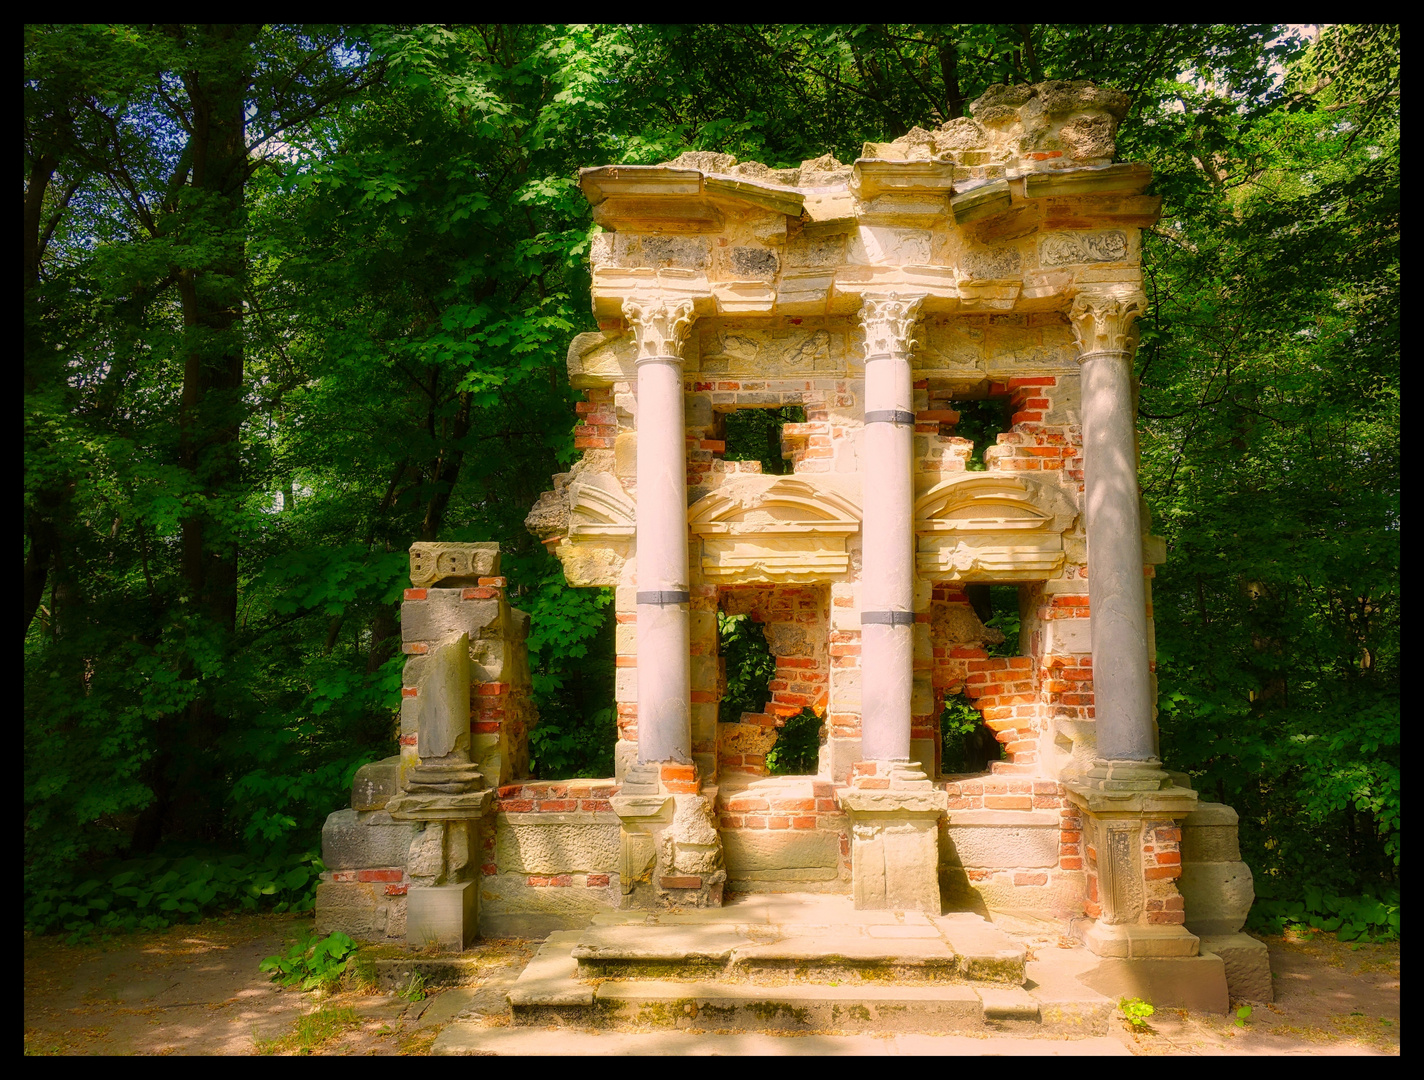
(782, 854)
(445, 612)
(444, 916)
(355, 908)
(556, 849)
(511, 894)
(1002, 839)
(1248, 965)
(347, 844)
(443, 693)
(1193, 982)
(1218, 896)
(451, 564)
(375, 784)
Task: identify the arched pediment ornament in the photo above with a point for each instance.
(775, 529)
(991, 527)
(599, 508)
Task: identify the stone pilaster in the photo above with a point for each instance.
(660, 327)
(888, 569)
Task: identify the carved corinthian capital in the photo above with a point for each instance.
(888, 323)
(659, 325)
(1106, 323)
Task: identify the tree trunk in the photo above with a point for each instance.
(186, 769)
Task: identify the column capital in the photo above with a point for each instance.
(660, 326)
(1105, 323)
(888, 323)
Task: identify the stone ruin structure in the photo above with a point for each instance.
(995, 257)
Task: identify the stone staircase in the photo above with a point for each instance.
(789, 964)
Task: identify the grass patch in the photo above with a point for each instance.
(312, 1032)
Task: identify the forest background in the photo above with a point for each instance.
(298, 296)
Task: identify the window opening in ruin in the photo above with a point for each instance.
(998, 608)
(967, 744)
(755, 435)
(982, 421)
(578, 719)
(798, 746)
(741, 642)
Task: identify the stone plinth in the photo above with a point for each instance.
(443, 916)
(669, 851)
(894, 847)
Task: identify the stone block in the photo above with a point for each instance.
(444, 699)
(1248, 965)
(356, 908)
(1218, 895)
(556, 848)
(704, 724)
(923, 751)
(625, 684)
(625, 639)
(433, 563)
(625, 756)
(375, 784)
(444, 613)
(348, 844)
(781, 854)
(446, 916)
(1209, 834)
(1189, 982)
(1002, 839)
(837, 757)
(704, 673)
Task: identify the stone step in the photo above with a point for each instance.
(554, 990)
(916, 949)
(470, 1039)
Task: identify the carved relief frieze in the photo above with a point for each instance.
(991, 527)
(1060, 249)
(776, 529)
(771, 352)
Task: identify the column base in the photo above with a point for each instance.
(442, 916)
(1134, 941)
(1126, 775)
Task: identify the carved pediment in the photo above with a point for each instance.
(991, 527)
(599, 508)
(778, 529)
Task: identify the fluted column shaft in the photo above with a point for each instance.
(887, 599)
(1117, 599)
(664, 675)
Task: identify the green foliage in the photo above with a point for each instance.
(1135, 1011)
(798, 746)
(1006, 619)
(749, 665)
(414, 990)
(1242, 1015)
(1365, 918)
(154, 892)
(967, 745)
(408, 255)
(981, 421)
(755, 435)
(311, 963)
(571, 665)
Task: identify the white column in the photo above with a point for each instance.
(660, 329)
(887, 595)
(1117, 601)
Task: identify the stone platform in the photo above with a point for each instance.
(804, 963)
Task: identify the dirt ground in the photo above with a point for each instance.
(197, 990)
